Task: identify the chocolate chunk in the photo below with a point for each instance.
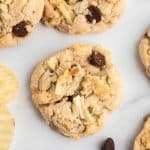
(73, 65)
(76, 93)
(108, 144)
(147, 36)
(20, 30)
(94, 14)
(97, 59)
(70, 98)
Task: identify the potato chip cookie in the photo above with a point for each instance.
(7, 126)
(9, 85)
(144, 50)
(18, 19)
(142, 141)
(76, 88)
(82, 16)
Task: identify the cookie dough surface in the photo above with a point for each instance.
(82, 16)
(18, 19)
(76, 88)
(142, 142)
(144, 50)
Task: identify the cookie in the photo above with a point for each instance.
(142, 141)
(9, 85)
(82, 16)
(76, 88)
(144, 50)
(18, 19)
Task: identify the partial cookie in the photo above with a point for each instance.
(9, 85)
(82, 16)
(18, 19)
(144, 50)
(7, 126)
(142, 141)
(76, 88)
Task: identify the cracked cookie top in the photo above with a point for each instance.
(18, 19)
(142, 141)
(144, 50)
(76, 88)
(82, 16)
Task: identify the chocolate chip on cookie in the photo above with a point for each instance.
(108, 144)
(20, 30)
(94, 14)
(97, 59)
(147, 35)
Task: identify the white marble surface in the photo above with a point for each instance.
(31, 131)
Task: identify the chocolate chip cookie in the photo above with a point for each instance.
(144, 50)
(82, 16)
(142, 141)
(18, 19)
(76, 88)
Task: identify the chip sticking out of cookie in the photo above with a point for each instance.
(9, 85)
(7, 126)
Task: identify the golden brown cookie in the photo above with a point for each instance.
(144, 50)
(82, 16)
(76, 88)
(18, 19)
(142, 141)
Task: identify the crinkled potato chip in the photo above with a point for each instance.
(7, 126)
(9, 85)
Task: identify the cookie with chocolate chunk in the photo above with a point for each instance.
(82, 16)
(18, 19)
(144, 51)
(76, 88)
(142, 141)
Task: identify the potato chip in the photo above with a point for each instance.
(7, 126)
(8, 85)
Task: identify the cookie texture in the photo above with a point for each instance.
(142, 141)
(18, 19)
(82, 16)
(144, 50)
(76, 88)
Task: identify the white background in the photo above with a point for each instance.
(122, 40)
